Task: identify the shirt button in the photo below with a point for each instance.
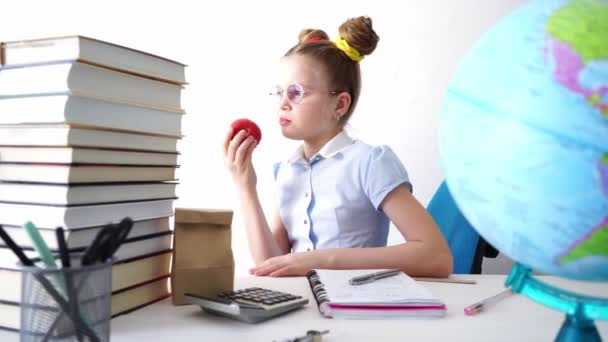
(305, 221)
(306, 194)
(308, 249)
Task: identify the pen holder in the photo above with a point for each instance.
(66, 304)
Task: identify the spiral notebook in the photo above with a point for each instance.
(393, 297)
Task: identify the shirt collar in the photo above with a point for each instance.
(331, 148)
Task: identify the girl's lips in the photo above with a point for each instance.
(284, 122)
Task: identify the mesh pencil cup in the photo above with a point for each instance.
(66, 304)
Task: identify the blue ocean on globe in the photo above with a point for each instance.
(524, 137)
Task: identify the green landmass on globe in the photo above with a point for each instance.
(582, 28)
(595, 244)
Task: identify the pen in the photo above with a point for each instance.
(63, 248)
(66, 264)
(15, 248)
(368, 278)
(480, 306)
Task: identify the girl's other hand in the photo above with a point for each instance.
(292, 264)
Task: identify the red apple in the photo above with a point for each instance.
(249, 126)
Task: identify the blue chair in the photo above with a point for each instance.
(468, 248)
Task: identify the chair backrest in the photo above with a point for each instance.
(464, 241)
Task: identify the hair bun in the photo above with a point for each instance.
(359, 34)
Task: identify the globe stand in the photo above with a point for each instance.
(580, 310)
(576, 329)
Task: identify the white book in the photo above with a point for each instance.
(125, 273)
(80, 237)
(89, 81)
(68, 174)
(93, 51)
(44, 216)
(123, 301)
(75, 136)
(134, 298)
(397, 296)
(72, 155)
(131, 248)
(75, 194)
(89, 112)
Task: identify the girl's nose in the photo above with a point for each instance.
(284, 103)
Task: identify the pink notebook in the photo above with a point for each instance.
(393, 297)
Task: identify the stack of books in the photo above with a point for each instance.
(88, 136)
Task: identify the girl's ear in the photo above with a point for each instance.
(342, 104)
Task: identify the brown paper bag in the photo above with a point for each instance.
(202, 254)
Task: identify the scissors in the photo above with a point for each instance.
(107, 242)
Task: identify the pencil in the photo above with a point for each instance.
(447, 280)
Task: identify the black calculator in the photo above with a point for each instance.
(249, 305)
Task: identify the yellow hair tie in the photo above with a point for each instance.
(350, 51)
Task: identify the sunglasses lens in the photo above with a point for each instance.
(295, 93)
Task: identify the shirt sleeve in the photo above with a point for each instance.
(382, 172)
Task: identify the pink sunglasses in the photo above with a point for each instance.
(295, 92)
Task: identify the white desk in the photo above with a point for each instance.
(514, 319)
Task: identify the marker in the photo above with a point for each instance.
(484, 304)
(39, 245)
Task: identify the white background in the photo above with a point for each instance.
(232, 49)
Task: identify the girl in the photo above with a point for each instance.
(336, 194)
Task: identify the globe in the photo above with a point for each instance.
(524, 137)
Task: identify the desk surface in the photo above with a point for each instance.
(516, 318)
